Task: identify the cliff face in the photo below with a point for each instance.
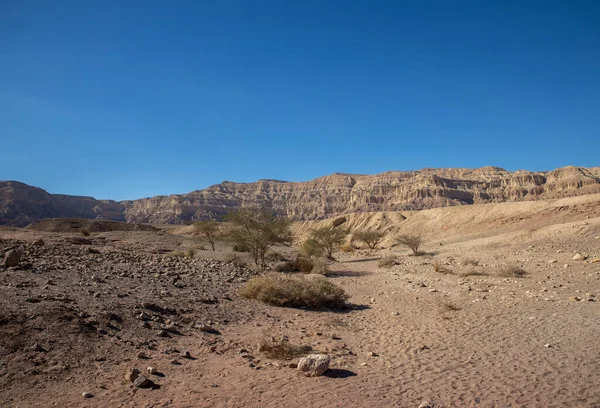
(316, 199)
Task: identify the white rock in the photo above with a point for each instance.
(579, 257)
(314, 365)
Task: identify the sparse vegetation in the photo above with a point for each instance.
(439, 268)
(411, 241)
(295, 291)
(369, 237)
(329, 238)
(512, 271)
(274, 257)
(176, 254)
(304, 265)
(347, 248)
(210, 229)
(190, 252)
(469, 262)
(85, 232)
(236, 259)
(387, 262)
(257, 231)
(311, 248)
(282, 350)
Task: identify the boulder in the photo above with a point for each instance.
(579, 257)
(12, 257)
(314, 365)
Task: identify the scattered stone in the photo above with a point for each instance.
(141, 355)
(38, 242)
(175, 362)
(426, 404)
(579, 257)
(552, 261)
(186, 354)
(574, 299)
(547, 345)
(142, 382)
(131, 374)
(12, 257)
(86, 394)
(151, 370)
(37, 347)
(314, 365)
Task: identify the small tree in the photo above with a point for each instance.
(257, 230)
(210, 230)
(371, 238)
(329, 238)
(411, 241)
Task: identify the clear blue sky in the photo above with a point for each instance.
(126, 99)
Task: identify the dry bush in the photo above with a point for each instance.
(371, 238)
(311, 248)
(411, 241)
(274, 257)
(439, 268)
(190, 252)
(304, 265)
(295, 291)
(347, 248)
(282, 350)
(85, 232)
(387, 262)
(450, 307)
(329, 238)
(176, 254)
(473, 273)
(469, 262)
(512, 271)
(235, 259)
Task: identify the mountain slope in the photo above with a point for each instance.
(21, 204)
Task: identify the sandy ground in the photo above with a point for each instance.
(468, 338)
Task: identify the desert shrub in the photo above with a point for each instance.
(411, 241)
(439, 268)
(235, 259)
(282, 349)
(274, 257)
(329, 238)
(512, 271)
(210, 229)
(295, 291)
(176, 254)
(469, 262)
(240, 248)
(257, 231)
(347, 248)
(387, 262)
(320, 267)
(85, 232)
(311, 248)
(371, 238)
(190, 252)
(300, 264)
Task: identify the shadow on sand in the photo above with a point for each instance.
(339, 373)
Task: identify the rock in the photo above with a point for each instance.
(142, 382)
(547, 345)
(38, 242)
(314, 365)
(579, 257)
(131, 374)
(37, 347)
(151, 370)
(175, 362)
(574, 299)
(12, 257)
(186, 354)
(86, 394)
(552, 261)
(426, 404)
(141, 355)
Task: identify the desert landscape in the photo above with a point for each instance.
(498, 307)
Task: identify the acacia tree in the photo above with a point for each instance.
(329, 238)
(257, 230)
(210, 229)
(411, 241)
(371, 238)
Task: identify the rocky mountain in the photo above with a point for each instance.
(323, 197)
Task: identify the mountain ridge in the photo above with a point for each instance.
(322, 197)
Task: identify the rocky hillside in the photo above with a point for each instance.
(21, 204)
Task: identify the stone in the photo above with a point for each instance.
(552, 261)
(131, 374)
(86, 394)
(142, 382)
(151, 370)
(38, 242)
(141, 354)
(579, 257)
(12, 257)
(314, 365)
(426, 404)
(186, 354)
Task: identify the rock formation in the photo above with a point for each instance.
(323, 197)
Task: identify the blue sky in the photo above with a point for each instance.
(127, 99)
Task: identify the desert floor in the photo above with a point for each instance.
(78, 310)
